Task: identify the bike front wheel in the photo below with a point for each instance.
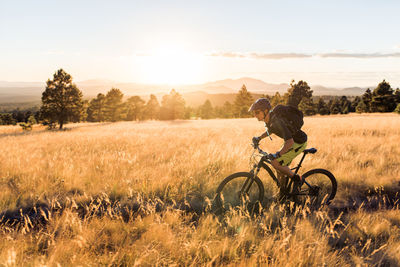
(241, 189)
(319, 187)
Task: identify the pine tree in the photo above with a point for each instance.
(383, 99)
(152, 108)
(113, 105)
(189, 113)
(306, 106)
(355, 103)
(228, 110)
(172, 106)
(7, 119)
(322, 107)
(243, 102)
(135, 107)
(397, 96)
(297, 92)
(367, 98)
(206, 110)
(61, 100)
(335, 107)
(277, 99)
(96, 109)
(362, 107)
(344, 105)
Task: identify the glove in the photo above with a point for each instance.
(256, 140)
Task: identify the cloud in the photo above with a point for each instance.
(359, 55)
(278, 55)
(227, 54)
(256, 55)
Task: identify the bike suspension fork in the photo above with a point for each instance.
(249, 181)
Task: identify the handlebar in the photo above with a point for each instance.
(257, 147)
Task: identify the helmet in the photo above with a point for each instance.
(260, 104)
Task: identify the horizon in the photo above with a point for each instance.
(173, 86)
(335, 45)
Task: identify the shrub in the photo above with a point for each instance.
(397, 110)
(26, 126)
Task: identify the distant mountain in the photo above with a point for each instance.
(351, 91)
(233, 86)
(227, 86)
(26, 91)
(253, 85)
(195, 99)
(354, 90)
(21, 84)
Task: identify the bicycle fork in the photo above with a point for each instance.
(249, 181)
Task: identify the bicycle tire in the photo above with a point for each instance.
(323, 186)
(227, 196)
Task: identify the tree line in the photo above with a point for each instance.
(19, 115)
(62, 102)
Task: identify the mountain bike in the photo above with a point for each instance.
(245, 189)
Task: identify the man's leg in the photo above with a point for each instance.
(286, 172)
(283, 169)
(283, 190)
(281, 164)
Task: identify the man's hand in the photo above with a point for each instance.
(256, 140)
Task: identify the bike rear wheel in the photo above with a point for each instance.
(240, 189)
(320, 187)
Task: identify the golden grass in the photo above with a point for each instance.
(87, 175)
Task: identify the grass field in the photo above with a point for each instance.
(127, 194)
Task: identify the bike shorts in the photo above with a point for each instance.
(295, 150)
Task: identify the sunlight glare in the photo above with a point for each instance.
(171, 64)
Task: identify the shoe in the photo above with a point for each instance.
(283, 188)
(297, 183)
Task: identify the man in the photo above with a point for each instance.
(295, 140)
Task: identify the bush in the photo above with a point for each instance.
(32, 120)
(50, 124)
(397, 110)
(26, 126)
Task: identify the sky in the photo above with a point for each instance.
(330, 43)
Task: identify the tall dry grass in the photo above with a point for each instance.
(140, 194)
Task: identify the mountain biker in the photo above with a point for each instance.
(294, 141)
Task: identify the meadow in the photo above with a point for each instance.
(141, 194)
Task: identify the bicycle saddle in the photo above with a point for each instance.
(310, 150)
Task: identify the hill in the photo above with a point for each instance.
(25, 91)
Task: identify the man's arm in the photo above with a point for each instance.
(265, 134)
(286, 146)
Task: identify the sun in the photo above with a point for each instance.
(171, 64)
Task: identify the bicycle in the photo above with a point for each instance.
(246, 189)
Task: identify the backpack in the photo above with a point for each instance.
(292, 117)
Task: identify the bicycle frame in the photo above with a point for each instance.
(263, 163)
